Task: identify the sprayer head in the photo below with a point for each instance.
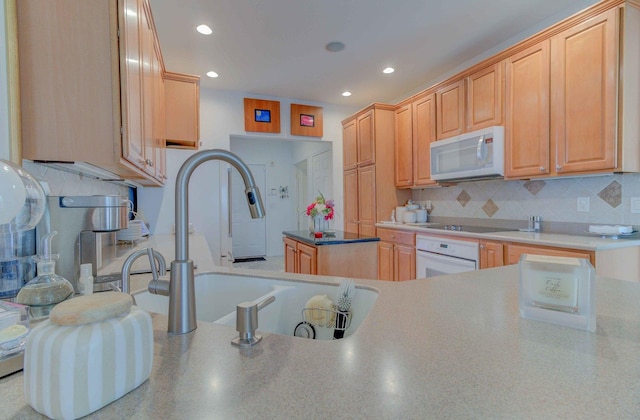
(254, 200)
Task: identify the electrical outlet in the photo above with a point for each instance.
(635, 204)
(583, 204)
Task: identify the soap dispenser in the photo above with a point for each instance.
(48, 289)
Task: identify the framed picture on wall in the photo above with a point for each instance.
(261, 116)
(306, 120)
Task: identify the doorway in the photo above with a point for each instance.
(248, 235)
(289, 185)
(322, 175)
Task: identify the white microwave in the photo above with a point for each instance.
(475, 155)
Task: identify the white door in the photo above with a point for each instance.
(302, 201)
(322, 165)
(248, 236)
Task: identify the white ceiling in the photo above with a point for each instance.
(276, 47)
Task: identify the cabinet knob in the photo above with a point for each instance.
(149, 162)
(482, 246)
(558, 167)
(542, 169)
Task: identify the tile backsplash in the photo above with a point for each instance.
(555, 200)
(603, 199)
(70, 183)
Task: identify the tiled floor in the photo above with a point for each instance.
(270, 264)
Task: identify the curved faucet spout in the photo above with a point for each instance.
(154, 257)
(182, 307)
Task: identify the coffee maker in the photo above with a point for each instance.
(84, 224)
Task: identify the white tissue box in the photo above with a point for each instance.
(71, 371)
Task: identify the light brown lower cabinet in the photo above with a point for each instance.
(514, 251)
(617, 263)
(299, 258)
(396, 255)
(491, 254)
(355, 260)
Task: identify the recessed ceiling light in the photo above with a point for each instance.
(346, 93)
(388, 70)
(334, 46)
(204, 29)
(212, 74)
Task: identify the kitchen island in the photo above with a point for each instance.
(444, 347)
(335, 253)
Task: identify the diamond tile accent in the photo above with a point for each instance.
(534, 187)
(490, 208)
(463, 198)
(612, 194)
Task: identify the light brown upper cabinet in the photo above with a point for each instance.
(369, 189)
(359, 142)
(485, 97)
(584, 87)
(415, 131)
(404, 147)
(366, 138)
(450, 109)
(97, 100)
(349, 144)
(567, 109)
(527, 112)
(182, 98)
(471, 103)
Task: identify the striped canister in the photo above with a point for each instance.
(71, 371)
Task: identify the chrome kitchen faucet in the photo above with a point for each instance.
(181, 290)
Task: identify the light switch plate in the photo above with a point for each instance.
(635, 204)
(583, 204)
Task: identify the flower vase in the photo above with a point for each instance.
(319, 224)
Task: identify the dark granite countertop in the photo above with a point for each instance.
(335, 238)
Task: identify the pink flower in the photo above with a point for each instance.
(310, 208)
(321, 207)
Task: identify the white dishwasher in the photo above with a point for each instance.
(437, 256)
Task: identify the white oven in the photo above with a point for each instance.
(437, 256)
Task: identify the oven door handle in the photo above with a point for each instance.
(445, 264)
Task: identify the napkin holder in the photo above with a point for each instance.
(558, 290)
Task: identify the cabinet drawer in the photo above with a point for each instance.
(514, 251)
(397, 236)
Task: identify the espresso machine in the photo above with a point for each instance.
(85, 225)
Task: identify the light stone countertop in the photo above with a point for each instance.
(445, 347)
(586, 242)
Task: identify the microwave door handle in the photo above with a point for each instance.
(481, 150)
